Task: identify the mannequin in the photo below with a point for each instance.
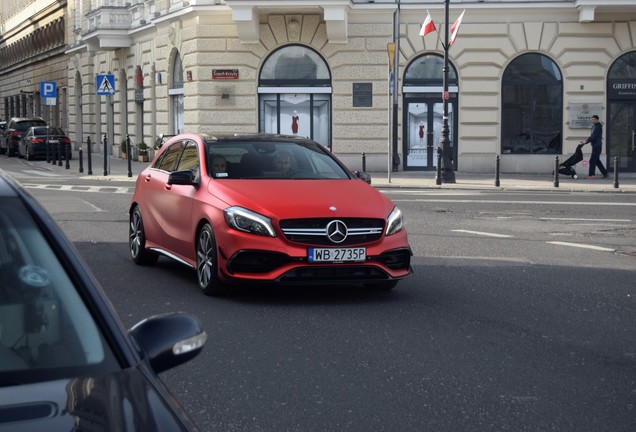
(421, 133)
(294, 125)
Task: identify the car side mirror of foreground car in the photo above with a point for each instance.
(185, 177)
(363, 176)
(170, 339)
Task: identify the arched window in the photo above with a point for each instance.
(532, 106)
(621, 112)
(294, 89)
(176, 94)
(428, 70)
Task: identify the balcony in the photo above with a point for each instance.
(108, 28)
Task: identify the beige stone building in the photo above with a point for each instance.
(524, 77)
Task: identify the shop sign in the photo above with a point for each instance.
(623, 88)
(223, 74)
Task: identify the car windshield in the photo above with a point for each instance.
(48, 131)
(271, 160)
(46, 330)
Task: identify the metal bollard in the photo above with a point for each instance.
(556, 171)
(67, 153)
(438, 178)
(616, 172)
(105, 155)
(48, 152)
(90, 162)
(59, 153)
(128, 155)
(364, 162)
(81, 160)
(497, 171)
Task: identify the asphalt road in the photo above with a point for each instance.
(519, 317)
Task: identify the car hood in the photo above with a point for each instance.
(298, 198)
(120, 401)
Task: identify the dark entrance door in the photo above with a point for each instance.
(424, 118)
(621, 135)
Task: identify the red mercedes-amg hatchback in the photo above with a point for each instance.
(265, 208)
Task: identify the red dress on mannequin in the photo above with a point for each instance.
(294, 126)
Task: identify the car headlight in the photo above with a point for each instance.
(395, 222)
(242, 219)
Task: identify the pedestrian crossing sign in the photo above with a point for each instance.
(105, 85)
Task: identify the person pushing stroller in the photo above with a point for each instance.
(596, 139)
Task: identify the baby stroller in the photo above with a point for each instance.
(567, 166)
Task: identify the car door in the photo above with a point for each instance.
(177, 205)
(153, 184)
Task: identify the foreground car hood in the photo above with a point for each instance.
(122, 401)
(304, 198)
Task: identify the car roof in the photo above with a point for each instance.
(253, 137)
(17, 119)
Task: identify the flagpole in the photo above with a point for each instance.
(447, 173)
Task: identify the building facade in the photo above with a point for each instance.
(524, 77)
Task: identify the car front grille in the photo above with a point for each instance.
(315, 231)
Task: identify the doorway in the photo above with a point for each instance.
(621, 135)
(423, 132)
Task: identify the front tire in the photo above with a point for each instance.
(207, 263)
(137, 240)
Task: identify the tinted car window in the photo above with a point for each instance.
(46, 330)
(25, 124)
(253, 159)
(48, 131)
(190, 158)
(170, 158)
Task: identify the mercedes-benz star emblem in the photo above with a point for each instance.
(337, 231)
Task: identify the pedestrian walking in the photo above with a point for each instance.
(596, 139)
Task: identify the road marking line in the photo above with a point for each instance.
(582, 246)
(559, 203)
(483, 233)
(585, 219)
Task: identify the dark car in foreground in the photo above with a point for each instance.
(38, 141)
(16, 128)
(66, 362)
(265, 208)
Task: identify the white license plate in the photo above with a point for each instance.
(336, 254)
(54, 142)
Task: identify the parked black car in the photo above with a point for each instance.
(38, 139)
(16, 128)
(66, 362)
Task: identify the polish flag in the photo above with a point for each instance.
(428, 26)
(455, 29)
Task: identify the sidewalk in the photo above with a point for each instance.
(118, 171)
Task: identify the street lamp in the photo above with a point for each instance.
(447, 173)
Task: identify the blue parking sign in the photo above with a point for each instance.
(48, 89)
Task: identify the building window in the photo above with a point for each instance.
(295, 94)
(176, 95)
(532, 106)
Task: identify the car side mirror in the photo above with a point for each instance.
(185, 177)
(363, 176)
(170, 339)
(159, 141)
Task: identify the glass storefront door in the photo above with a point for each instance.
(423, 133)
(621, 135)
(302, 114)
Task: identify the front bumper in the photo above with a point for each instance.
(387, 259)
